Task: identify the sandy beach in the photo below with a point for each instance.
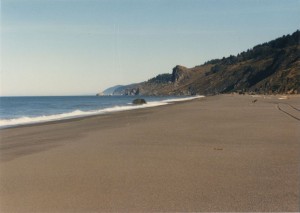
(219, 153)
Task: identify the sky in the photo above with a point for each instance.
(81, 47)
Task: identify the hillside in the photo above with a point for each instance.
(109, 91)
(271, 68)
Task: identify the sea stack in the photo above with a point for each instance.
(139, 101)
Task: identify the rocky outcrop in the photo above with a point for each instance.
(139, 101)
(179, 74)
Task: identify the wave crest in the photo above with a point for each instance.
(79, 113)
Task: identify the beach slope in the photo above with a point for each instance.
(220, 153)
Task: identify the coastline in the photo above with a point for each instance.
(218, 153)
(78, 113)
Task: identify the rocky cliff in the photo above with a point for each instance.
(272, 67)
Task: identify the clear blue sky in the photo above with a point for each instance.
(75, 47)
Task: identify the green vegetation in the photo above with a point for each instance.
(160, 79)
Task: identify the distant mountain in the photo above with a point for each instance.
(110, 90)
(132, 89)
(268, 68)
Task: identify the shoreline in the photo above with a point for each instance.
(104, 111)
(167, 101)
(70, 120)
(218, 153)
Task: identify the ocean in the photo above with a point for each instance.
(16, 111)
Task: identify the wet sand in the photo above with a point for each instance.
(220, 153)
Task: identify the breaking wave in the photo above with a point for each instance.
(79, 113)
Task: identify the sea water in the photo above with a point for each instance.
(16, 111)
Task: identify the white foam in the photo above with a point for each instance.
(79, 113)
(283, 98)
(182, 99)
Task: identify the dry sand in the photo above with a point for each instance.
(221, 153)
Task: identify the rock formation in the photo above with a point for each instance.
(139, 101)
